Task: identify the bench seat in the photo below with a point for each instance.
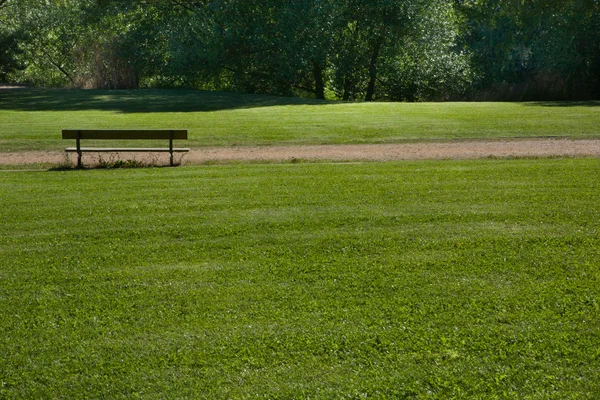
(127, 149)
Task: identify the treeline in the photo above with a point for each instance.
(411, 50)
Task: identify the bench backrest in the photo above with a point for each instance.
(125, 134)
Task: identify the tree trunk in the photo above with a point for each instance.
(373, 72)
(319, 84)
(347, 89)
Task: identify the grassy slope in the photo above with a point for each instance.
(433, 279)
(32, 119)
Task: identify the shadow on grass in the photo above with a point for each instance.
(590, 103)
(125, 165)
(139, 101)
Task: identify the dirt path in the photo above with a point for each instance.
(360, 152)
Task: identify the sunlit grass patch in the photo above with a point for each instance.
(32, 119)
(431, 279)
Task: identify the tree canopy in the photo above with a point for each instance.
(401, 50)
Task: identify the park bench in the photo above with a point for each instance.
(123, 134)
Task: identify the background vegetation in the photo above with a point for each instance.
(410, 50)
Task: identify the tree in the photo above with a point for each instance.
(428, 64)
(9, 40)
(566, 47)
(47, 33)
(349, 49)
(538, 49)
(406, 48)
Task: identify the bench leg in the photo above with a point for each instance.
(171, 149)
(79, 153)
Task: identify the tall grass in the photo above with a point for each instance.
(472, 279)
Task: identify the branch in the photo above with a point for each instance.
(58, 66)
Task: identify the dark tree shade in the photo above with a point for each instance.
(408, 50)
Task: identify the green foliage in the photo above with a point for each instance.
(413, 50)
(470, 279)
(47, 32)
(305, 47)
(9, 39)
(8, 53)
(535, 50)
(427, 65)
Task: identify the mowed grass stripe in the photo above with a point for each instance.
(430, 279)
(33, 119)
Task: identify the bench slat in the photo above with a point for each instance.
(125, 134)
(126, 149)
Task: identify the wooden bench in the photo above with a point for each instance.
(123, 134)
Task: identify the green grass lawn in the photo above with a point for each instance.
(438, 279)
(32, 119)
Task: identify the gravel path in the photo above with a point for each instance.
(353, 152)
